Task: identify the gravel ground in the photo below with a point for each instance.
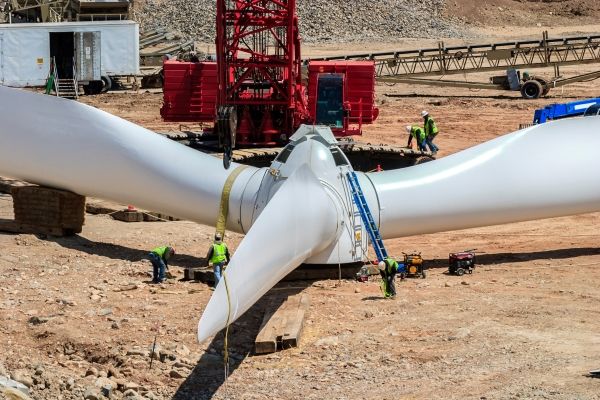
(79, 316)
(320, 20)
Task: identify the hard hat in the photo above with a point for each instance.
(381, 265)
(424, 113)
(217, 236)
(408, 128)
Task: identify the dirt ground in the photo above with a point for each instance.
(78, 313)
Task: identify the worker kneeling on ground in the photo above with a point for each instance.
(431, 131)
(159, 257)
(218, 257)
(418, 134)
(388, 269)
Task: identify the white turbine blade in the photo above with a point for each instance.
(69, 145)
(545, 171)
(300, 220)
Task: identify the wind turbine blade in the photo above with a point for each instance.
(69, 145)
(548, 170)
(300, 220)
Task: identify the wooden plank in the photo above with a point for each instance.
(295, 322)
(203, 274)
(9, 225)
(282, 326)
(266, 340)
(128, 216)
(303, 273)
(16, 227)
(310, 272)
(198, 274)
(96, 206)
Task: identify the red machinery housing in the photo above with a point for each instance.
(341, 94)
(189, 91)
(254, 92)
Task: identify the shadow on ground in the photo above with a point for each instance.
(209, 375)
(119, 252)
(507, 258)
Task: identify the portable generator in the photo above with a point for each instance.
(461, 262)
(413, 266)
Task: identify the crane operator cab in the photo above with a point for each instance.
(330, 100)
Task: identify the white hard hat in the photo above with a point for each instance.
(408, 128)
(381, 265)
(424, 113)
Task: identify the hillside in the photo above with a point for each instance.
(523, 13)
(339, 21)
(320, 20)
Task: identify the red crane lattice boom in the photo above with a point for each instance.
(260, 96)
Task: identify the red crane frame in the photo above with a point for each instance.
(259, 70)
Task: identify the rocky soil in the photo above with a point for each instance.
(320, 20)
(338, 21)
(506, 14)
(78, 317)
(79, 320)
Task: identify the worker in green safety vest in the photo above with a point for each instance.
(416, 132)
(218, 257)
(388, 269)
(431, 131)
(159, 257)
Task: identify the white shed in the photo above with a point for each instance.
(86, 51)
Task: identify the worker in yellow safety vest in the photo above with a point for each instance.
(388, 269)
(418, 134)
(159, 257)
(218, 257)
(431, 131)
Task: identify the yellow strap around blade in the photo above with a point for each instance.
(224, 206)
(221, 223)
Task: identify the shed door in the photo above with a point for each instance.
(1, 59)
(87, 50)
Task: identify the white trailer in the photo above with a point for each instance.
(89, 52)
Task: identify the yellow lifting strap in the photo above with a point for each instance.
(224, 206)
(221, 223)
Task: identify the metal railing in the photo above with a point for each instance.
(445, 60)
(75, 81)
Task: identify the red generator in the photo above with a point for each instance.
(461, 262)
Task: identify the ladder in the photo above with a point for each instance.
(366, 216)
(66, 88)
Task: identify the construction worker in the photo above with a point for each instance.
(218, 256)
(418, 133)
(159, 257)
(431, 131)
(388, 269)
